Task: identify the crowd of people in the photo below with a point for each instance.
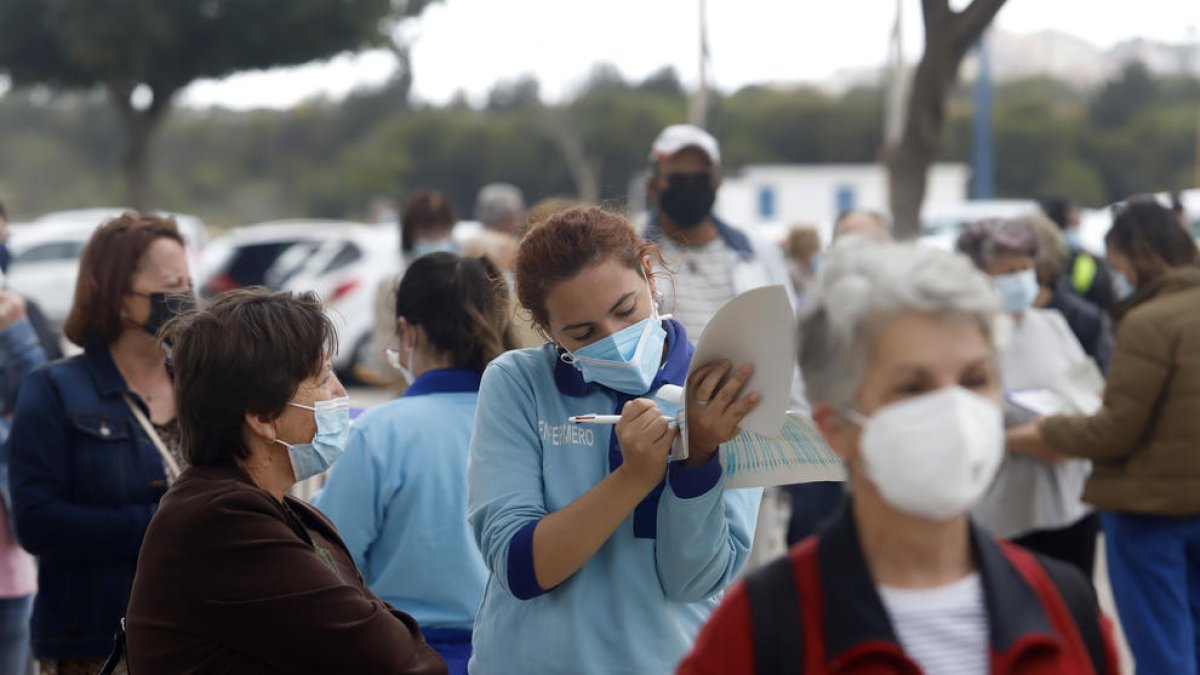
(468, 526)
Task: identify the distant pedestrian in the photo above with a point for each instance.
(95, 440)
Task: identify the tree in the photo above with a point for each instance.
(948, 36)
(144, 52)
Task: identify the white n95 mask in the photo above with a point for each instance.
(935, 455)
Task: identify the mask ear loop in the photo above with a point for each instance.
(565, 356)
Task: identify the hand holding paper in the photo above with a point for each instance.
(715, 408)
(769, 445)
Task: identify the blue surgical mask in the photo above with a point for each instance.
(423, 248)
(1073, 239)
(333, 429)
(626, 361)
(1122, 286)
(1017, 291)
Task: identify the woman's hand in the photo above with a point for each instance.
(1027, 440)
(714, 410)
(645, 439)
(12, 309)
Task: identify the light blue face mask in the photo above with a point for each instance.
(333, 429)
(1122, 286)
(423, 248)
(1017, 291)
(625, 361)
(1073, 239)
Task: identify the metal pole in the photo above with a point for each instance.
(698, 115)
(983, 174)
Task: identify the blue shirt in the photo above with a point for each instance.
(638, 603)
(398, 496)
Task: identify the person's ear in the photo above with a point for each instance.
(260, 426)
(839, 433)
(407, 334)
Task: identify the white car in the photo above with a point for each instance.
(46, 252)
(343, 262)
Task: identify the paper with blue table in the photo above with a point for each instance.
(775, 447)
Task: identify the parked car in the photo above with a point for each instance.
(46, 252)
(343, 262)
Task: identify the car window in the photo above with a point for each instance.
(289, 263)
(349, 254)
(249, 264)
(50, 251)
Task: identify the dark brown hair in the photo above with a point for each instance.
(248, 351)
(427, 211)
(561, 246)
(110, 259)
(1151, 236)
(462, 304)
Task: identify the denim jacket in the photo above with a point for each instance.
(85, 481)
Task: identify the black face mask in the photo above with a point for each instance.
(167, 306)
(688, 199)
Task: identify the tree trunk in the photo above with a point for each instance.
(138, 128)
(948, 36)
(569, 142)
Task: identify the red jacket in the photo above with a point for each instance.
(847, 631)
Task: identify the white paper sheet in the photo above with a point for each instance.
(798, 454)
(1077, 391)
(757, 327)
(775, 447)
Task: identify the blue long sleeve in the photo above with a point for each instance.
(20, 353)
(504, 482)
(704, 532)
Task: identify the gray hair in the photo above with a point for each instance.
(498, 203)
(986, 240)
(863, 285)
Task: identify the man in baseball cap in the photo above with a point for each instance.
(713, 261)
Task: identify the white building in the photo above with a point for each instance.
(773, 197)
(774, 194)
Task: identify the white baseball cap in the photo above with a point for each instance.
(679, 136)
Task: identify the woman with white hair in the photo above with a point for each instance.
(1034, 501)
(899, 352)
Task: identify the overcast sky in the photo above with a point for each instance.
(469, 45)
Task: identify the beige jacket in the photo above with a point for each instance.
(1145, 442)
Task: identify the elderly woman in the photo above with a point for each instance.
(899, 354)
(234, 576)
(1143, 442)
(1034, 501)
(94, 440)
(1088, 322)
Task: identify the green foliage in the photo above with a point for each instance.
(168, 43)
(330, 159)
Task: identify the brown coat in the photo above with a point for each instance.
(229, 580)
(1145, 442)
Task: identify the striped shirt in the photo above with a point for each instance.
(944, 630)
(703, 282)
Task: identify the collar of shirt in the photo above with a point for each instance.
(858, 620)
(734, 238)
(444, 381)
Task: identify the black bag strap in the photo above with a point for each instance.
(776, 626)
(117, 656)
(1080, 599)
